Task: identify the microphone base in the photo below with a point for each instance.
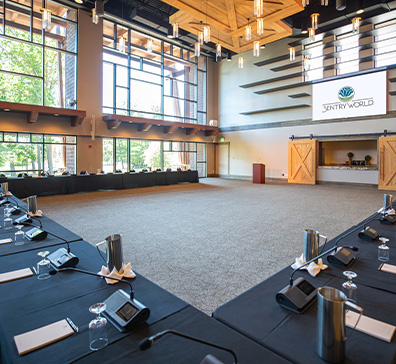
(388, 219)
(23, 220)
(341, 257)
(62, 259)
(298, 297)
(124, 313)
(210, 359)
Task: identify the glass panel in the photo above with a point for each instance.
(135, 63)
(122, 76)
(202, 63)
(1, 24)
(59, 158)
(108, 31)
(108, 85)
(38, 138)
(71, 139)
(167, 48)
(1, 137)
(167, 146)
(201, 118)
(108, 155)
(144, 76)
(152, 67)
(37, 34)
(63, 35)
(10, 137)
(59, 67)
(56, 9)
(177, 52)
(121, 155)
(54, 139)
(117, 58)
(23, 138)
(183, 160)
(121, 98)
(145, 97)
(14, 58)
(19, 24)
(20, 89)
(145, 154)
(348, 49)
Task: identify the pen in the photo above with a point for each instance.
(72, 324)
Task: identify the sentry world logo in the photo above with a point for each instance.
(346, 94)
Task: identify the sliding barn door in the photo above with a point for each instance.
(302, 161)
(387, 163)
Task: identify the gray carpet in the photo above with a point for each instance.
(211, 241)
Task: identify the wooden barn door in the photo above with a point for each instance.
(302, 161)
(387, 163)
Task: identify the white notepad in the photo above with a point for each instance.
(388, 268)
(5, 241)
(46, 335)
(370, 326)
(15, 274)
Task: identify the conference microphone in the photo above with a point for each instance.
(61, 258)
(122, 310)
(209, 359)
(300, 294)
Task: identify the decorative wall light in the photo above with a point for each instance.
(305, 3)
(197, 49)
(149, 45)
(248, 31)
(95, 18)
(46, 18)
(356, 25)
(258, 8)
(121, 44)
(260, 26)
(256, 49)
(175, 28)
(206, 33)
(240, 62)
(311, 34)
(292, 53)
(314, 18)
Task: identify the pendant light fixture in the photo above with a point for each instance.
(324, 2)
(46, 18)
(248, 31)
(311, 34)
(95, 18)
(240, 62)
(260, 26)
(256, 48)
(356, 25)
(206, 33)
(121, 44)
(228, 56)
(340, 5)
(149, 45)
(292, 53)
(218, 50)
(305, 3)
(175, 28)
(197, 49)
(258, 8)
(314, 18)
(201, 38)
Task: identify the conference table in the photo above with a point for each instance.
(56, 185)
(293, 335)
(29, 303)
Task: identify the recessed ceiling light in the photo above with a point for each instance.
(79, 1)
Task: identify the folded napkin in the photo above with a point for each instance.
(38, 213)
(390, 212)
(313, 268)
(6, 194)
(126, 271)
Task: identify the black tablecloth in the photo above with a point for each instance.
(45, 186)
(176, 350)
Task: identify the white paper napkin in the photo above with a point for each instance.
(38, 213)
(126, 271)
(313, 268)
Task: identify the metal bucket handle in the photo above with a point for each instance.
(325, 238)
(100, 253)
(358, 309)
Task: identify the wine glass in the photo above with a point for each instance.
(19, 235)
(349, 288)
(98, 328)
(383, 250)
(43, 266)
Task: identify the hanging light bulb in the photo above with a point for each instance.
(314, 18)
(201, 38)
(46, 19)
(121, 44)
(197, 49)
(175, 28)
(95, 18)
(311, 34)
(258, 8)
(218, 50)
(356, 25)
(256, 48)
(149, 45)
(240, 62)
(260, 26)
(248, 31)
(292, 53)
(324, 2)
(206, 33)
(305, 3)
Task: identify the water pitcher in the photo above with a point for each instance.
(331, 323)
(311, 244)
(114, 255)
(32, 204)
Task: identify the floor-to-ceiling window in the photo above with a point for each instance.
(33, 154)
(121, 155)
(38, 66)
(385, 52)
(152, 78)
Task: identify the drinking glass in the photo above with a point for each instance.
(98, 328)
(349, 288)
(383, 250)
(43, 266)
(19, 235)
(7, 219)
(6, 207)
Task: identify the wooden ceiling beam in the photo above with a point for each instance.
(231, 14)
